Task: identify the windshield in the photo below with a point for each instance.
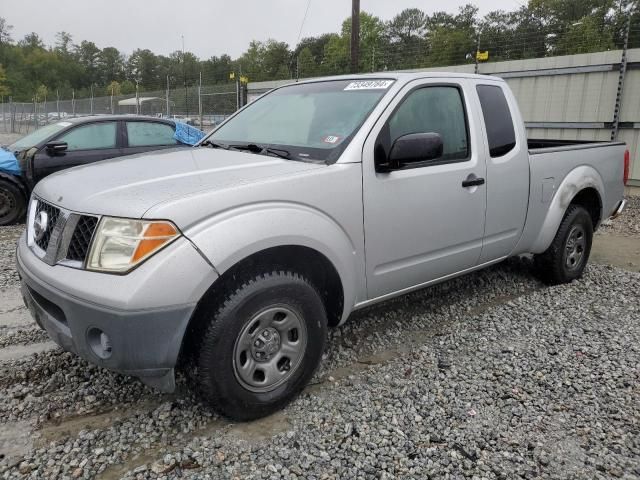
(38, 136)
(312, 121)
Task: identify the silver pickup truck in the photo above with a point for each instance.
(320, 198)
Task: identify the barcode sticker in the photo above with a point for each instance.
(369, 85)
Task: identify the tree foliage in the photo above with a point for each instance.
(411, 39)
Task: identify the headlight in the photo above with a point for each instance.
(120, 244)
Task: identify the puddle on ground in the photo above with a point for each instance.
(253, 432)
(16, 352)
(15, 440)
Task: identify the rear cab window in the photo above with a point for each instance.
(149, 134)
(497, 120)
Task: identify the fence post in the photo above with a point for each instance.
(137, 100)
(91, 101)
(73, 102)
(58, 103)
(477, 68)
(12, 116)
(35, 112)
(238, 93)
(111, 100)
(200, 100)
(168, 109)
(623, 71)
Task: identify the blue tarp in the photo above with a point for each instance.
(187, 134)
(9, 163)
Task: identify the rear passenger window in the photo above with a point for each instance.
(148, 134)
(497, 120)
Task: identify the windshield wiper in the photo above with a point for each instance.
(254, 148)
(209, 143)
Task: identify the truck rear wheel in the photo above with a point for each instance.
(12, 203)
(568, 254)
(262, 343)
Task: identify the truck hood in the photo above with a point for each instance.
(129, 186)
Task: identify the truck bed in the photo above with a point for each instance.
(536, 144)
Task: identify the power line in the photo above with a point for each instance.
(303, 20)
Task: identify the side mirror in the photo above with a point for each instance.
(415, 148)
(56, 147)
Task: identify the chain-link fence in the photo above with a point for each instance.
(204, 101)
(202, 106)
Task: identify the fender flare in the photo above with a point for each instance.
(578, 179)
(234, 235)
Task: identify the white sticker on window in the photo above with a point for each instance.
(331, 139)
(64, 124)
(369, 85)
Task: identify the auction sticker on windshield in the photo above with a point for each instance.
(369, 85)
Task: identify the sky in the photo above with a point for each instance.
(210, 27)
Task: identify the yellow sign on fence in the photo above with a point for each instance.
(482, 56)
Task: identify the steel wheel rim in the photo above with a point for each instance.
(7, 203)
(269, 349)
(575, 247)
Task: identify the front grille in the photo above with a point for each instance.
(81, 238)
(52, 218)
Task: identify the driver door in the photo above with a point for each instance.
(86, 143)
(420, 222)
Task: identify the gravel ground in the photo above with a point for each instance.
(491, 375)
(629, 222)
(8, 238)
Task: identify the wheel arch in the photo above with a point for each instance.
(583, 186)
(309, 263)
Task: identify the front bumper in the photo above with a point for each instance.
(143, 342)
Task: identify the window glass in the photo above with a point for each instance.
(311, 120)
(434, 110)
(144, 134)
(89, 137)
(497, 119)
(38, 136)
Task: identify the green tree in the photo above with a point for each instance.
(110, 65)
(114, 88)
(587, 35)
(5, 32)
(143, 67)
(63, 43)
(4, 86)
(31, 41)
(41, 93)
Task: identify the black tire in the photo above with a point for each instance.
(563, 261)
(13, 203)
(231, 319)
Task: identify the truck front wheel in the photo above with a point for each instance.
(263, 341)
(568, 254)
(12, 203)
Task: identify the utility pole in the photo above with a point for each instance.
(184, 78)
(355, 35)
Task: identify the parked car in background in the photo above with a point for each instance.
(73, 142)
(318, 199)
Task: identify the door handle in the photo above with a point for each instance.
(472, 182)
